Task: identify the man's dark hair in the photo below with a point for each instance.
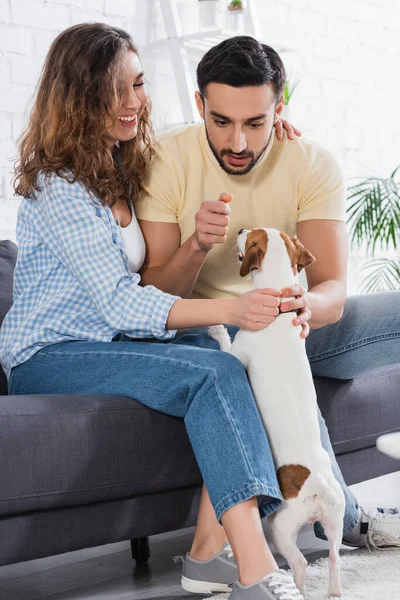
(241, 61)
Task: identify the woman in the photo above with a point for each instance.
(82, 162)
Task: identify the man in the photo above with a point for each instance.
(294, 186)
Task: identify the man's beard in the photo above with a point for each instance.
(254, 157)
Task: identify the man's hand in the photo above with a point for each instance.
(212, 222)
(300, 304)
(281, 124)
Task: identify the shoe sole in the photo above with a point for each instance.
(203, 587)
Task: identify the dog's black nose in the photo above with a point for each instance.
(241, 231)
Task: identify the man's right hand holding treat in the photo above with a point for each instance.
(212, 222)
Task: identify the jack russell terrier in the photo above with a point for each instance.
(280, 377)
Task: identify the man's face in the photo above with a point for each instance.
(239, 123)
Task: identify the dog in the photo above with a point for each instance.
(280, 376)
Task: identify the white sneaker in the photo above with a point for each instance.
(381, 527)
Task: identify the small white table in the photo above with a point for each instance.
(389, 444)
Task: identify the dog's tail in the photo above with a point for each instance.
(220, 334)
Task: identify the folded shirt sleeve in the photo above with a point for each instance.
(161, 200)
(322, 192)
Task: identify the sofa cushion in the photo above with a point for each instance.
(359, 410)
(58, 450)
(70, 450)
(8, 257)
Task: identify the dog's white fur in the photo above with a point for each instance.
(280, 376)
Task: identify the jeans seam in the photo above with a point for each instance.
(141, 355)
(343, 349)
(227, 411)
(350, 526)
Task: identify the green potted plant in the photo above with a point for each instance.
(374, 219)
(288, 91)
(235, 5)
(287, 95)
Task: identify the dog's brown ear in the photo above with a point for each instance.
(299, 256)
(254, 252)
(252, 260)
(304, 256)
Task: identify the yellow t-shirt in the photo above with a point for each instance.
(293, 181)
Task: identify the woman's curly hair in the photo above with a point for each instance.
(78, 88)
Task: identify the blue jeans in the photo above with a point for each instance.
(189, 378)
(207, 388)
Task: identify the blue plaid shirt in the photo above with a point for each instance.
(72, 280)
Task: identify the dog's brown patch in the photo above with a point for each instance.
(291, 479)
(254, 251)
(299, 256)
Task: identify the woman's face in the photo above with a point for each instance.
(132, 102)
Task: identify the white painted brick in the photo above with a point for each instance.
(18, 125)
(15, 99)
(7, 149)
(5, 127)
(5, 14)
(9, 207)
(76, 3)
(312, 23)
(391, 40)
(329, 48)
(88, 16)
(309, 85)
(331, 68)
(5, 71)
(336, 9)
(344, 29)
(97, 5)
(25, 70)
(40, 14)
(364, 55)
(96, 17)
(346, 54)
(43, 41)
(273, 16)
(121, 8)
(14, 39)
(8, 234)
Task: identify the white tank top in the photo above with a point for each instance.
(135, 246)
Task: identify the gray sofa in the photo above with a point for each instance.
(81, 471)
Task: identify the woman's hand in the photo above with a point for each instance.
(256, 309)
(300, 303)
(282, 124)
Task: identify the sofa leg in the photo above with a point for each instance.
(140, 550)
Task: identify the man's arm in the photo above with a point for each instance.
(167, 265)
(326, 277)
(170, 266)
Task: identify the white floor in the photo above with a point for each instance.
(107, 573)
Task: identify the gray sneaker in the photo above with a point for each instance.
(278, 585)
(217, 574)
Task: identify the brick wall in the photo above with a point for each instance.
(345, 55)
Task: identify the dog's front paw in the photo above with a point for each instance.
(220, 334)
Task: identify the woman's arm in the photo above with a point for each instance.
(253, 311)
